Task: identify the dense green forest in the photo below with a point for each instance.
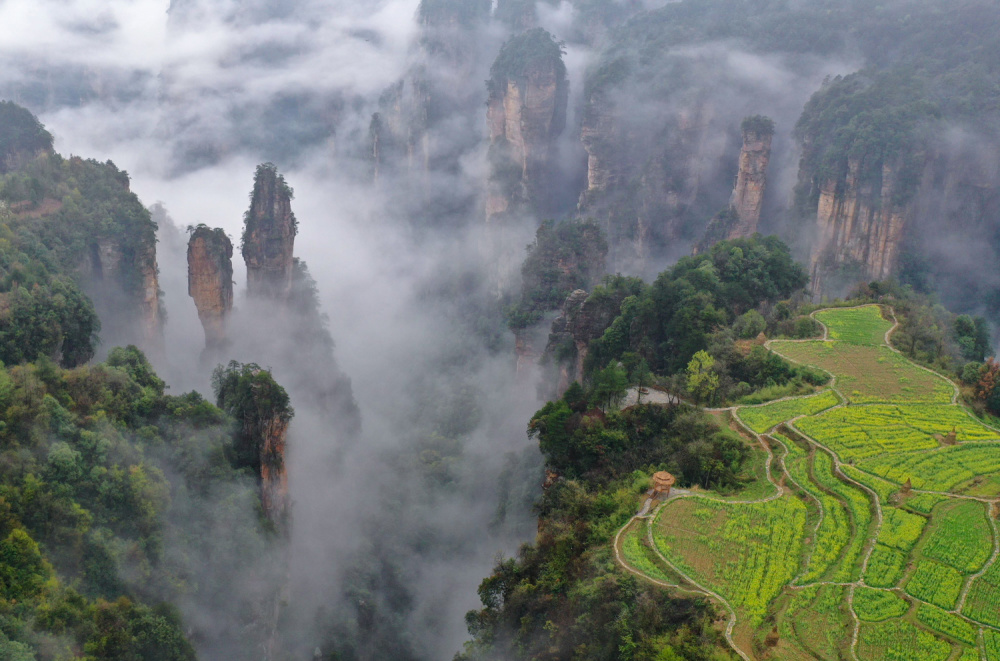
(23, 136)
(698, 331)
(84, 203)
(105, 492)
(564, 596)
(118, 501)
(68, 226)
(720, 302)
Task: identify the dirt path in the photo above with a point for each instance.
(678, 494)
(731, 624)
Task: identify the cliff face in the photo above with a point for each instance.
(559, 352)
(564, 257)
(15, 159)
(263, 408)
(930, 216)
(150, 309)
(415, 132)
(398, 132)
(125, 279)
(751, 181)
(643, 184)
(741, 218)
(269, 236)
(589, 322)
(525, 117)
(273, 472)
(956, 211)
(526, 112)
(210, 281)
(582, 319)
(859, 229)
(602, 136)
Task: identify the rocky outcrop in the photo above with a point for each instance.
(895, 190)
(263, 410)
(150, 308)
(526, 113)
(751, 180)
(273, 472)
(602, 135)
(583, 318)
(414, 130)
(644, 185)
(561, 351)
(269, 236)
(923, 214)
(588, 322)
(398, 131)
(210, 281)
(564, 257)
(741, 218)
(859, 229)
(15, 159)
(124, 279)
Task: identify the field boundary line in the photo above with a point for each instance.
(731, 625)
(819, 503)
(955, 390)
(776, 464)
(837, 464)
(960, 604)
(621, 560)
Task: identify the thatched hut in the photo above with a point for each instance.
(662, 482)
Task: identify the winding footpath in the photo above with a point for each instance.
(767, 440)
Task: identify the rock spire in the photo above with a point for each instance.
(751, 181)
(741, 218)
(269, 235)
(210, 281)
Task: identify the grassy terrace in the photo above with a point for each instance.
(877, 537)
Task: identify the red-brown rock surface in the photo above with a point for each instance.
(269, 236)
(210, 281)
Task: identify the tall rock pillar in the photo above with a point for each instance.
(269, 236)
(741, 218)
(526, 113)
(751, 182)
(210, 281)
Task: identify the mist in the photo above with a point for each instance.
(189, 96)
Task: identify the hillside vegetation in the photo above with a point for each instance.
(879, 536)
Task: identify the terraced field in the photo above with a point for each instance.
(877, 537)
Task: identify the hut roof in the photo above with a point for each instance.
(663, 478)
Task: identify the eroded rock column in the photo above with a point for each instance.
(269, 236)
(210, 281)
(751, 182)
